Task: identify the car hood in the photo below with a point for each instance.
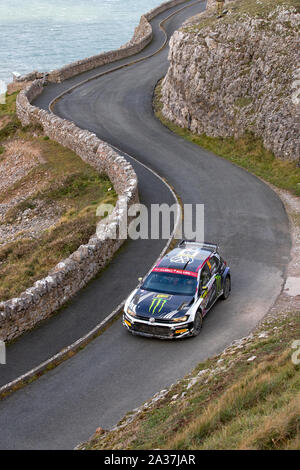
(153, 304)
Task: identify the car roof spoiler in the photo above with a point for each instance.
(211, 246)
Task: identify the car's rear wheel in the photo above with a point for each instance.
(227, 288)
(197, 323)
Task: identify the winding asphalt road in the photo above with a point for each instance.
(117, 372)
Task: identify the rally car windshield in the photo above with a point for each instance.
(170, 283)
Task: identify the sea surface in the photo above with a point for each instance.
(43, 35)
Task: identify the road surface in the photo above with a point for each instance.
(118, 372)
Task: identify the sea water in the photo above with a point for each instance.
(43, 35)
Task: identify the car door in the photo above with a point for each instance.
(210, 276)
(215, 272)
(205, 286)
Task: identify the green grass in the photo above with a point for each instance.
(247, 152)
(242, 102)
(255, 9)
(9, 108)
(10, 129)
(249, 406)
(73, 186)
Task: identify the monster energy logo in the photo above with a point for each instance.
(158, 302)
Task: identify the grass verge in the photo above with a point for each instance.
(253, 8)
(247, 152)
(228, 402)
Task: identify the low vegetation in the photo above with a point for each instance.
(59, 182)
(235, 404)
(253, 8)
(247, 151)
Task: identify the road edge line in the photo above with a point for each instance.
(120, 67)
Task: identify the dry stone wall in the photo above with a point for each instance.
(69, 276)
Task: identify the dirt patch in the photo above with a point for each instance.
(4, 120)
(48, 203)
(16, 86)
(18, 159)
(31, 222)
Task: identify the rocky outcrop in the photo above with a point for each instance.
(142, 32)
(237, 74)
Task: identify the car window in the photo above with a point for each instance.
(214, 262)
(169, 283)
(205, 276)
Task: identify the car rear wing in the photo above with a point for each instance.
(210, 246)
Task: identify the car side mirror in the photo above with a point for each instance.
(140, 279)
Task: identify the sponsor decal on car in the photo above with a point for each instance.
(175, 271)
(218, 282)
(186, 256)
(158, 301)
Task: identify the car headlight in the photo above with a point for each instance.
(131, 312)
(180, 319)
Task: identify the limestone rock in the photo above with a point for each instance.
(238, 75)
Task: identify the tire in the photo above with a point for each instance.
(198, 320)
(227, 288)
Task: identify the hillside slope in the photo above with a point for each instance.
(48, 202)
(246, 398)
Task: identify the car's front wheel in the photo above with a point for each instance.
(197, 323)
(227, 288)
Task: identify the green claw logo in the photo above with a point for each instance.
(158, 301)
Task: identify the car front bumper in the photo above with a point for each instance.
(157, 330)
